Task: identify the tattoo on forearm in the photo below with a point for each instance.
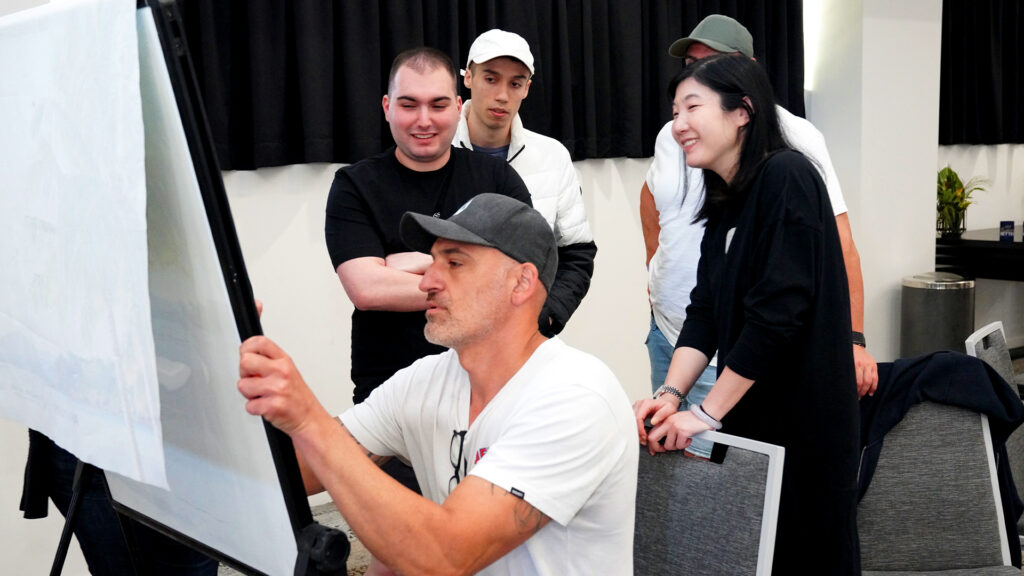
(528, 518)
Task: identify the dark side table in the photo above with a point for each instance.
(980, 254)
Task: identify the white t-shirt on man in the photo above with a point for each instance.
(560, 434)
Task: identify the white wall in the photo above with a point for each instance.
(873, 74)
(1003, 166)
(1003, 199)
(876, 100)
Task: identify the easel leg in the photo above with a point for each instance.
(83, 477)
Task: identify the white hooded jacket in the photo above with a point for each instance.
(546, 167)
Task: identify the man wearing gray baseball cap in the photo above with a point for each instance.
(525, 448)
(492, 220)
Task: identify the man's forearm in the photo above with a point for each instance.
(865, 367)
(650, 223)
(856, 280)
(387, 517)
(372, 285)
(478, 523)
(310, 481)
(851, 261)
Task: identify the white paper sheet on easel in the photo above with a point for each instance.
(76, 343)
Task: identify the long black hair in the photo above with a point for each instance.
(739, 82)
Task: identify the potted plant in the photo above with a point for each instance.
(952, 200)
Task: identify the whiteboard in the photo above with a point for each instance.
(224, 489)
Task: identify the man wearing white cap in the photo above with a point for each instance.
(672, 194)
(498, 75)
(525, 448)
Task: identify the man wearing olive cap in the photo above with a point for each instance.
(525, 449)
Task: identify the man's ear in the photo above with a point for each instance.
(527, 281)
(467, 78)
(386, 105)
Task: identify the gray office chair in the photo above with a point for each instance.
(1015, 456)
(989, 344)
(697, 517)
(933, 503)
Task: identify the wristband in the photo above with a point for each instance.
(858, 339)
(698, 411)
(666, 389)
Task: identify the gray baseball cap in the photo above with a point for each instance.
(719, 33)
(492, 220)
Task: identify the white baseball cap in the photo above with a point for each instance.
(497, 43)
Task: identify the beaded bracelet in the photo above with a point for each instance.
(698, 411)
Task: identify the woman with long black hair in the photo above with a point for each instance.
(772, 299)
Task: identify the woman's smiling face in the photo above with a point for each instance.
(710, 136)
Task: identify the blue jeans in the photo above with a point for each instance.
(660, 351)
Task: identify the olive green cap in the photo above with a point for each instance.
(719, 33)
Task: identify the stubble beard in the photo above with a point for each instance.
(435, 333)
(456, 333)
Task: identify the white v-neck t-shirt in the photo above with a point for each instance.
(560, 434)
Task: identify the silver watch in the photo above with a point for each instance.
(666, 389)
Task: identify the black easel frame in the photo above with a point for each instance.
(321, 550)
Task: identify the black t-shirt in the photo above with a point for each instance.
(365, 206)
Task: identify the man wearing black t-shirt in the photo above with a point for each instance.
(422, 174)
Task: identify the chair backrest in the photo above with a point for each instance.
(933, 502)
(989, 344)
(1015, 456)
(699, 517)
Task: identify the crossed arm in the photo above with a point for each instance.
(477, 524)
(390, 283)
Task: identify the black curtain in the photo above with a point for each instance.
(287, 82)
(981, 78)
